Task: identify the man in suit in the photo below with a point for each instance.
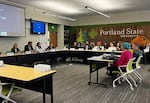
(28, 47)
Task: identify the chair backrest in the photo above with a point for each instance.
(130, 65)
(138, 61)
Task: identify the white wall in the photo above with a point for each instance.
(6, 43)
(127, 17)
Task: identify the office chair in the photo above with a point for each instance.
(137, 66)
(125, 75)
(6, 89)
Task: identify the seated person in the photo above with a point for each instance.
(105, 45)
(38, 47)
(28, 47)
(75, 45)
(147, 53)
(87, 45)
(111, 47)
(118, 46)
(92, 45)
(136, 51)
(51, 46)
(79, 45)
(147, 48)
(123, 60)
(15, 49)
(99, 46)
(83, 45)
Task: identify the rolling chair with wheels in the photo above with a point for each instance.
(128, 69)
(6, 89)
(136, 67)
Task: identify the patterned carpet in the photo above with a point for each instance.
(71, 86)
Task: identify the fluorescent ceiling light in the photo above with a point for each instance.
(110, 5)
(58, 6)
(59, 16)
(96, 11)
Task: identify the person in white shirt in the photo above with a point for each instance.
(98, 47)
(38, 47)
(112, 47)
(147, 53)
(147, 49)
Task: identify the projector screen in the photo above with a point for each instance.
(12, 21)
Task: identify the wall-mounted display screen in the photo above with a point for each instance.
(37, 27)
(12, 21)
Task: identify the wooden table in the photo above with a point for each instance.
(96, 63)
(28, 78)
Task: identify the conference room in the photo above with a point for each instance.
(74, 51)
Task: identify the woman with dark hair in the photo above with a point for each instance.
(118, 46)
(51, 46)
(38, 47)
(111, 47)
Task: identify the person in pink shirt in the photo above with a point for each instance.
(124, 58)
(126, 54)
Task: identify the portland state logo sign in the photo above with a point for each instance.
(92, 34)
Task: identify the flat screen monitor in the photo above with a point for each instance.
(37, 27)
(12, 21)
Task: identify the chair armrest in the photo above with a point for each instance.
(1, 84)
(122, 66)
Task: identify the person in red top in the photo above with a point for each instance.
(124, 58)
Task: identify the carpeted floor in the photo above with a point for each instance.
(71, 86)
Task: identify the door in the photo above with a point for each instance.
(53, 38)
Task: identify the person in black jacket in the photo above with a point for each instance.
(51, 46)
(28, 47)
(15, 48)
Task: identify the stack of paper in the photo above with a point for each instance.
(1, 63)
(42, 67)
